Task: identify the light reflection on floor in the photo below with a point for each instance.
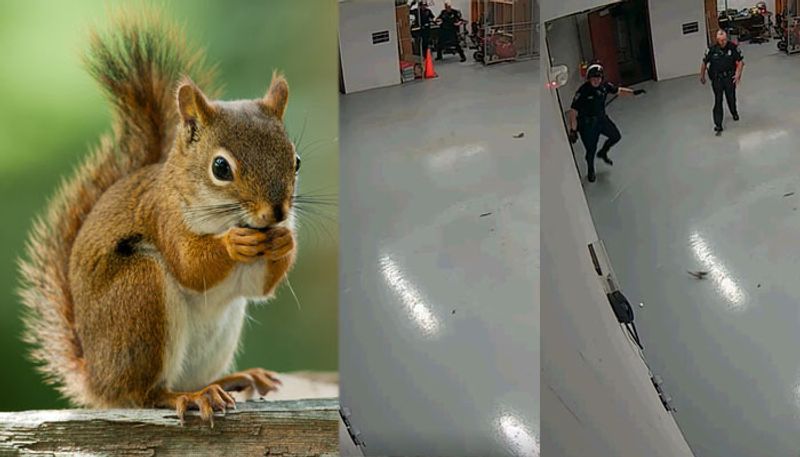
(439, 211)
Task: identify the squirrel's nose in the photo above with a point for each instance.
(266, 215)
(262, 216)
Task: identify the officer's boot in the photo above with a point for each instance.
(590, 175)
(603, 154)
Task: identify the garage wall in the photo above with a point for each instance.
(597, 399)
(366, 65)
(677, 54)
(565, 48)
(741, 4)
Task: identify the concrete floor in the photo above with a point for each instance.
(678, 198)
(439, 211)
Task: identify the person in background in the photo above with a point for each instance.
(724, 62)
(425, 19)
(450, 20)
(587, 116)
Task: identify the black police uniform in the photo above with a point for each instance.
(425, 19)
(590, 103)
(448, 33)
(721, 62)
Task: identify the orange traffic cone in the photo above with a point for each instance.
(429, 72)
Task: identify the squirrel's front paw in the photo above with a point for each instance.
(245, 244)
(280, 242)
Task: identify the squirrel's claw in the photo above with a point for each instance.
(252, 381)
(181, 404)
(264, 381)
(212, 398)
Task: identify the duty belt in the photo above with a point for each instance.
(591, 118)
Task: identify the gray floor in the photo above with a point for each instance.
(439, 270)
(678, 198)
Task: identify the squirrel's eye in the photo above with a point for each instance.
(221, 169)
(296, 164)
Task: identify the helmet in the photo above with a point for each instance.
(595, 70)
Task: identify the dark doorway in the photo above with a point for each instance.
(603, 32)
(620, 37)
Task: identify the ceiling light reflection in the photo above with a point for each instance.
(518, 436)
(418, 310)
(725, 284)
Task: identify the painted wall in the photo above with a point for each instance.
(566, 47)
(677, 54)
(597, 398)
(366, 65)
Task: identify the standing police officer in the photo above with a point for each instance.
(588, 117)
(425, 19)
(450, 20)
(724, 62)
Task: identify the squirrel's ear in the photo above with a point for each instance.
(193, 105)
(277, 96)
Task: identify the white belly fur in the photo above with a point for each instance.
(204, 328)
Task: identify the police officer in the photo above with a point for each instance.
(724, 62)
(425, 19)
(450, 20)
(588, 117)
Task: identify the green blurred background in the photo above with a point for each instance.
(51, 112)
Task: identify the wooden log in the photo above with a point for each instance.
(264, 428)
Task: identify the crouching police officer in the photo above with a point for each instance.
(588, 117)
(724, 62)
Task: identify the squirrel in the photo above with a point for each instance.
(139, 272)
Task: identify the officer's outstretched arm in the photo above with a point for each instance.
(627, 91)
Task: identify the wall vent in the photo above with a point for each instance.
(380, 37)
(690, 27)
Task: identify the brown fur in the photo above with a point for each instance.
(94, 281)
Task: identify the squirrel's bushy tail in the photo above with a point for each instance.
(137, 62)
